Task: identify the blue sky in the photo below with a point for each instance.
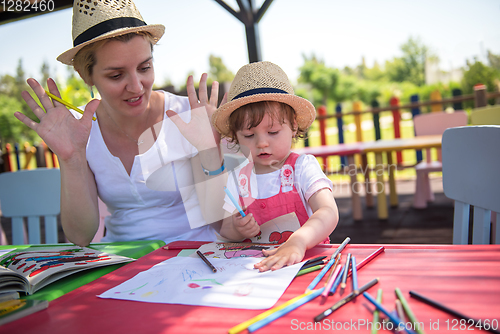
(339, 32)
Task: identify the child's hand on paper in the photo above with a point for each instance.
(246, 226)
(291, 252)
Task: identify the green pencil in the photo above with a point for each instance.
(376, 313)
(310, 269)
(409, 312)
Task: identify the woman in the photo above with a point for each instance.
(133, 137)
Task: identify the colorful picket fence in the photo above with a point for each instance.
(436, 104)
(15, 157)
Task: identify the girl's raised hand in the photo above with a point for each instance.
(59, 129)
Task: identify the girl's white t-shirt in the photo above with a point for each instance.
(308, 179)
(142, 209)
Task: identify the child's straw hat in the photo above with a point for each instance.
(262, 81)
(96, 20)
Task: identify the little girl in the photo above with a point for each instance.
(263, 116)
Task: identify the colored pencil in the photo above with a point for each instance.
(316, 259)
(344, 277)
(390, 315)
(335, 264)
(179, 245)
(376, 313)
(235, 202)
(309, 270)
(313, 264)
(344, 301)
(354, 276)
(244, 325)
(337, 282)
(400, 313)
(330, 282)
(278, 314)
(200, 254)
(67, 104)
(328, 265)
(408, 310)
(449, 310)
(368, 259)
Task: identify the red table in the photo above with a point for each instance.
(463, 277)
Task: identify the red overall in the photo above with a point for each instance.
(275, 206)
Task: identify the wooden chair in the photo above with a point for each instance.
(432, 124)
(32, 194)
(489, 115)
(470, 177)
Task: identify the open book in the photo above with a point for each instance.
(31, 269)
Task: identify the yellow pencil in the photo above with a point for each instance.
(244, 325)
(67, 104)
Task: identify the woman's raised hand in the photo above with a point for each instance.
(199, 131)
(58, 128)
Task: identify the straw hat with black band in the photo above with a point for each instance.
(96, 20)
(262, 81)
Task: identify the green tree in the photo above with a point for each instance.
(376, 73)
(11, 130)
(411, 66)
(218, 71)
(324, 80)
(478, 73)
(75, 91)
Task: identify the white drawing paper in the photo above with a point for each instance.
(189, 281)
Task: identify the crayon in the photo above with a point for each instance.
(368, 259)
(450, 311)
(309, 270)
(244, 325)
(329, 265)
(235, 202)
(408, 310)
(344, 301)
(390, 315)
(200, 254)
(67, 104)
(278, 314)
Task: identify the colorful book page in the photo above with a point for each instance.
(230, 250)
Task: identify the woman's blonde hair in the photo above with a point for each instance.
(85, 60)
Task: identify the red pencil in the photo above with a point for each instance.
(367, 259)
(181, 244)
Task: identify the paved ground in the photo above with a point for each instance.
(405, 225)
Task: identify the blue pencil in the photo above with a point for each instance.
(235, 202)
(328, 265)
(355, 287)
(278, 314)
(391, 316)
